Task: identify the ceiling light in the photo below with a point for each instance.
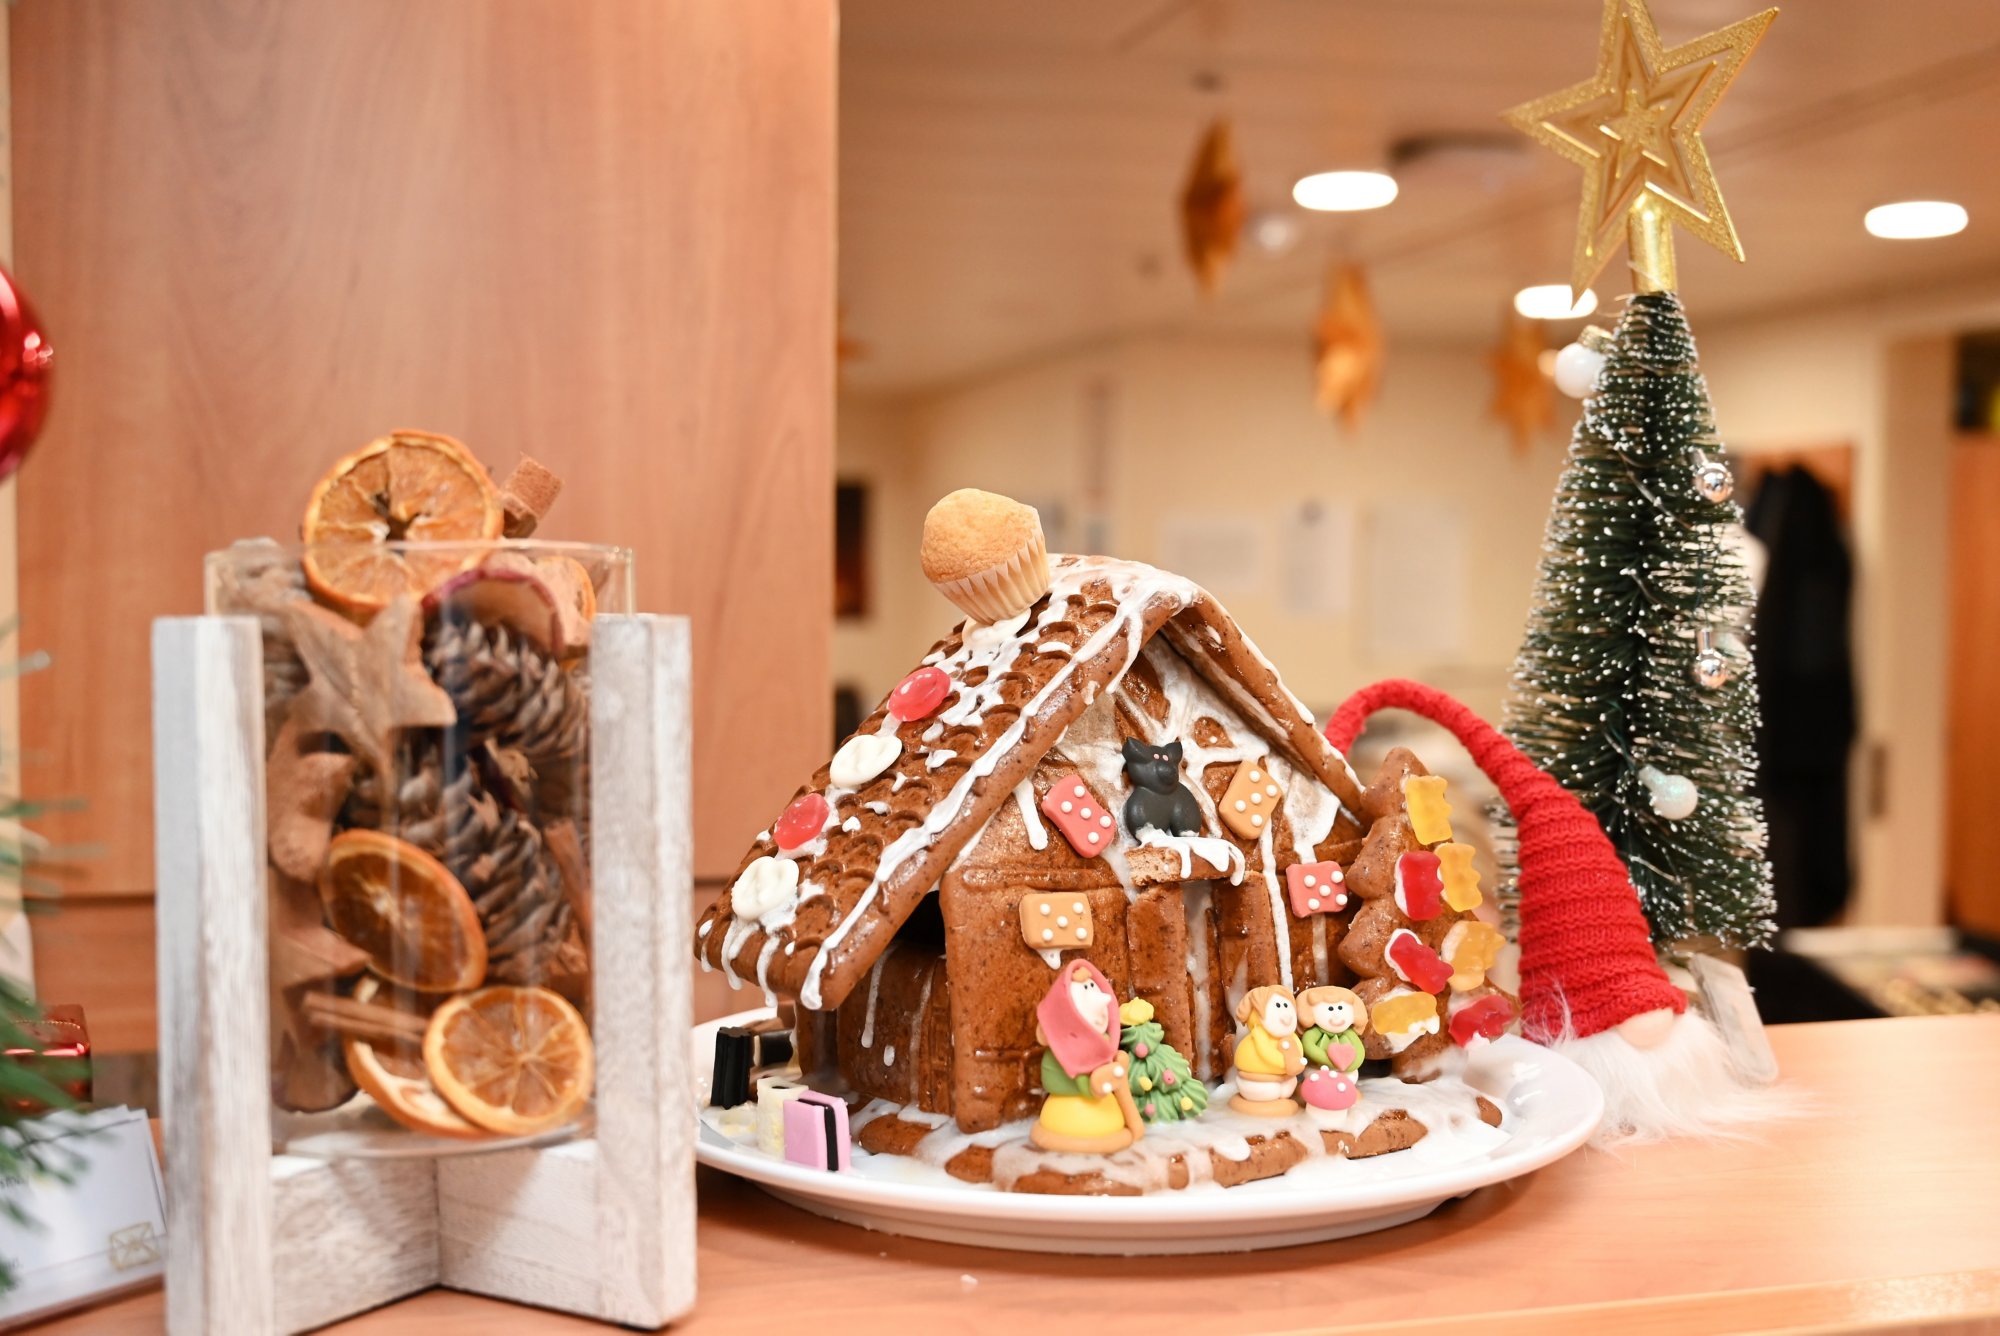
(1550, 301)
(1344, 192)
(1915, 219)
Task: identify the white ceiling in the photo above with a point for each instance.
(1009, 168)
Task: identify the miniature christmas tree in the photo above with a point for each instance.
(1163, 1085)
(1621, 690)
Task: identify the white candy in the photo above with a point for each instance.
(862, 757)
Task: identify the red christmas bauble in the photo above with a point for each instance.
(25, 357)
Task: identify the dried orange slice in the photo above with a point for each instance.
(405, 909)
(517, 1061)
(394, 1076)
(412, 485)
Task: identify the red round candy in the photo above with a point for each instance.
(802, 821)
(919, 693)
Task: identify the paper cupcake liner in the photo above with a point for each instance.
(1013, 586)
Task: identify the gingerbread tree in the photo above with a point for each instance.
(1419, 953)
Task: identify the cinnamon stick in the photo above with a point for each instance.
(370, 1022)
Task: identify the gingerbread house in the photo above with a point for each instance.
(917, 896)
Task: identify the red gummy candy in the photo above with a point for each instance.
(1419, 885)
(1423, 967)
(802, 821)
(1485, 1019)
(919, 693)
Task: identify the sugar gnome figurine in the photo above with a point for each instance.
(1335, 1021)
(1268, 1057)
(1591, 986)
(1089, 1106)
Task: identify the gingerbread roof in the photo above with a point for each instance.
(1016, 687)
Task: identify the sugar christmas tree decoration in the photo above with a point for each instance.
(1163, 1085)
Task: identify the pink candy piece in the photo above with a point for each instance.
(816, 1132)
(1419, 885)
(919, 693)
(1324, 1088)
(802, 821)
(1418, 965)
(1315, 888)
(1083, 820)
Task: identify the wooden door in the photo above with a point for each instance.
(1972, 844)
(262, 234)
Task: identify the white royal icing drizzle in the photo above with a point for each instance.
(1195, 897)
(1211, 849)
(1031, 817)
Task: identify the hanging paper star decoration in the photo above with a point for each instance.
(1348, 338)
(1635, 129)
(1522, 395)
(1213, 206)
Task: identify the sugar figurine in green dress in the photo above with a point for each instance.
(1336, 1020)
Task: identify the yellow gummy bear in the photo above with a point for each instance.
(1461, 879)
(1471, 947)
(1404, 1012)
(1430, 814)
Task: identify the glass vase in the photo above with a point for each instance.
(427, 763)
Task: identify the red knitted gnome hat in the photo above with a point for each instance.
(1584, 941)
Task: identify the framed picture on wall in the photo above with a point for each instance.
(851, 589)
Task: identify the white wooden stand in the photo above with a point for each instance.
(260, 1244)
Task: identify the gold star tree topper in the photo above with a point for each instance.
(1635, 129)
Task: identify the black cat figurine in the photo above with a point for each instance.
(1159, 799)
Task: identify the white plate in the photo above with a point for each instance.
(1551, 1105)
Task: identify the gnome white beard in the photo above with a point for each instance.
(1687, 1085)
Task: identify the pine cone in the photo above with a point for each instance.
(510, 693)
(496, 853)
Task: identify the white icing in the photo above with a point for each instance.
(1319, 948)
(874, 991)
(764, 969)
(851, 825)
(1195, 907)
(878, 808)
(1052, 647)
(1213, 850)
(889, 1056)
(701, 930)
(1051, 956)
(1031, 819)
(938, 758)
(933, 733)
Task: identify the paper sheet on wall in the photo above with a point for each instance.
(1224, 554)
(1317, 545)
(1413, 569)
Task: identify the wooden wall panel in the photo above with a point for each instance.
(263, 233)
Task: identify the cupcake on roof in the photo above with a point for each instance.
(986, 553)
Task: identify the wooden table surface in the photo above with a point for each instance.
(1878, 1206)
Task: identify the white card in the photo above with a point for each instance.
(103, 1232)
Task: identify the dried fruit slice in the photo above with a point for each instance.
(394, 1076)
(405, 909)
(517, 1061)
(410, 485)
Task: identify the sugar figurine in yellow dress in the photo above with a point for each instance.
(1089, 1105)
(1269, 1057)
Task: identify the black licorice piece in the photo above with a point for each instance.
(774, 1048)
(735, 1054)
